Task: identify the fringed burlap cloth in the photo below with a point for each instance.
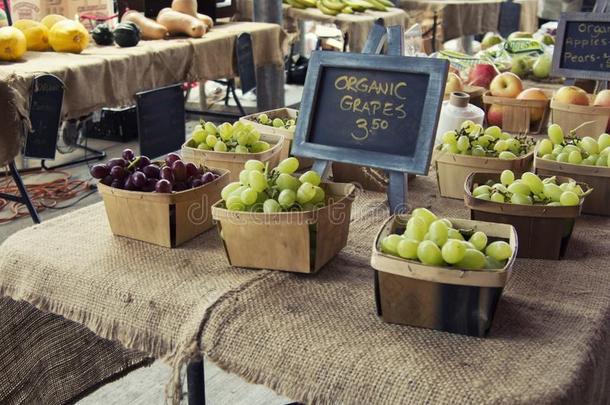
(317, 339)
(46, 359)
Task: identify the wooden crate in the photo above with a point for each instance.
(300, 242)
(570, 116)
(516, 114)
(234, 162)
(163, 219)
(453, 169)
(596, 177)
(283, 113)
(408, 292)
(543, 231)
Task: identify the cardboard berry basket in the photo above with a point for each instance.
(283, 113)
(597, 177)
(517, 114)
(571, 116)
(163, 219)
(408, 292)
(300, 242)
(453, 169)
(232, 161)
(543, 231)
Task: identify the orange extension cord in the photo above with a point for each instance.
(43, 195)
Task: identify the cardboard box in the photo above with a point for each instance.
(37, 9)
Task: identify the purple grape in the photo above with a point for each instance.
(118, 172)
(167, 174)
(207, 177)
(171, 158)
(150, 185)
(179, 170)
(163, 186)
(117, 183)
(191, 170)
(181, 186)
(139, 179)
(128, 155)
(196, 183)
(116, 162)
(129, 184)
(99, 171)
(152, 171)
(144, 161)
(107, 181)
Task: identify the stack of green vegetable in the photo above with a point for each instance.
(334, 7)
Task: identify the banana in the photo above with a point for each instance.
(387, 3)
(378, 5)
(358, 5)
(307, 3)
(296, 4)
(333, 5)
(347, 10)
(326, 10)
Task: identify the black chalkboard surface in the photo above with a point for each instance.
(161, 120)
(582, 47)
(45, 116)
(510, 18)
(371, 110)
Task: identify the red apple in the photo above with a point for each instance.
(482, 74)
(603, 100)
(454, 83)
(494, 115)
(534, 94)
(507, 85)
(571, 95)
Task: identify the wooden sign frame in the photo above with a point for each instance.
(559, 42)
(419, 163)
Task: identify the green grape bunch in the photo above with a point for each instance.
(227, 137)
(279, 190)
(531, 190)
(436, 242)
(290, 123)
(472, 139)
(570, 149)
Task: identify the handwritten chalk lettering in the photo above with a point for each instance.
(587, 42)
(364, 85)
(569, 56)
(595, 30)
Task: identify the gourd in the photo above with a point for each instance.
(102, 35)
(150, 28)
(36, 34)
(180, 23)
(50, 20)
(12, 44)
(126, 34)
(68, 36)
(190, 7)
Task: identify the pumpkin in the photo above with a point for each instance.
(180, 23)
(3, 19)
(12, 44)
(102, 35)
(126, 34)
(50, 20)
(36, 34)
(150, 28)
(68, 36)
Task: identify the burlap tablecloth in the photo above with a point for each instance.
(110, 76)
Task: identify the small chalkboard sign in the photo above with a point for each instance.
(582, 47)
(371, 110)
(245, 62)
(161, 120)
(45, 115)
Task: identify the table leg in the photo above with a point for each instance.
(195, 382)
(434, 24)
(467, 41)
(269, 87)
(23, 196)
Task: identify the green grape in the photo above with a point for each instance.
(438, 232)
(563, 157)
(605, 151)
(484, 196)
(575, 157)
(228, 189)
(478, 151)
(463, 143)
(514, 145)
(238, 191)
(533, 182)
(253, 164)
(389, 244)
(507, 155)
(287, 181)
(497, 197)
(220, 146)
(485, 140)
(467, 126)
(499, 250)
(211, 140)
(571, 148)
(484, 189)
(451, 148)
(578, 190)
(257, 181)
(454, 234)
(507, 177)
(263, 118)
(319, 196)
(248, 196)
(429, 253)
(449, 137)
(447, 222)
(478, 240)
(254, 136)
(501, 146)
(203, 146)
(243, 138)
(552, 191)
(270, 206)
(569, 199)
(305, 193)
(407, 248)
(238, 126)
(493, 264)
(603, 141)
(545, 147)
(569, 186)
(259, 146)
(241, 149)
(453, 251)
(589, 145)
(473, 260)
(590, 160)
(287, 198)
(557, 150)
(210, 128)
(243, 177)
(555, 134)
(199, 136)
(288, 165)
(519, 187)
(278, 123)
(500, 188)
(198, 127)
(310, 177)
(549, 156)
(603, 161)
(494, 132)
(505, 136)
(225, 131)
(234, 203)
(416, 228)
(468, 245)
(521, 199)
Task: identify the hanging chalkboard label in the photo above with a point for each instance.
(371, 110)
(582, 47)
(161, 120)
(45, 116)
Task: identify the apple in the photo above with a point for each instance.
(603, 100)
(520, 34)
(454, 83)
(506, 84)
(542, 67)
(482, 75)
(494, 115)
(534, 94)
(571, 95)
(490, 40)
(520, 65)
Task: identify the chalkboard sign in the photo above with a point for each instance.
(161, 120)
(582, 47)
(510, 18)
(45, 116)
(245, 62)
(371, 110)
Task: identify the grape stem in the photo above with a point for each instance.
(134, 163)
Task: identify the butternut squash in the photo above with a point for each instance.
(180, 23)
(206, 20)
(150, 29)
(190, 7)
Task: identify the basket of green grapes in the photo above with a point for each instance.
(474, 149)
(584, 159)
(274, 219)
(441, 273)
(543, 210)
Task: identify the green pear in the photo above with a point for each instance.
(542, 67)
(490, 40)
(520, 65)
